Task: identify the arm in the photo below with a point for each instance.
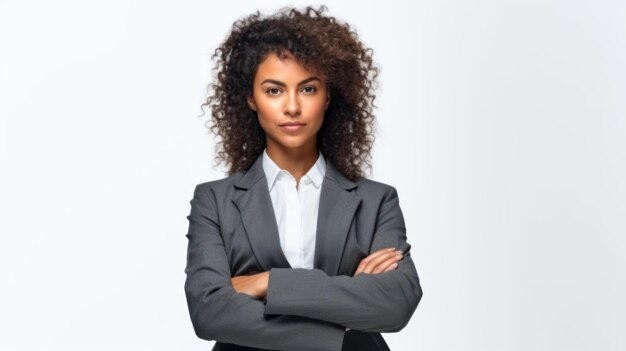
(219, 313)
(368, 302)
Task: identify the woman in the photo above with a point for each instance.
(296, 249)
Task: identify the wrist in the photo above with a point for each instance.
(263, 283)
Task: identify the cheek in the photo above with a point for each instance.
(264, 122)
(268, 109)
(267, 119)
(319, 111)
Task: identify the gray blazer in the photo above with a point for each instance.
(233, 231)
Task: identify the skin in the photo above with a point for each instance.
(285, 91)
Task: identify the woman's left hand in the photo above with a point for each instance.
(254, 285)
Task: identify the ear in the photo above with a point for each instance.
(327, 101)
(251, 103)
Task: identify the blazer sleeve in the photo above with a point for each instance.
(367, 302)
(219, 313)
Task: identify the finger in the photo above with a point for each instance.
(378, 265)
(373, 256)
(382, 266)
(385, 264)
(378, 253)
(371, 265)
(392, 267)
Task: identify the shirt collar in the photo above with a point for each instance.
(271, 169)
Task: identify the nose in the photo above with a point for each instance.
(292, 105)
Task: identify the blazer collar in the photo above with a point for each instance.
(272, 170)
(255, 172)
(337, 207)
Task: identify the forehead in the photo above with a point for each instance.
(286, 69)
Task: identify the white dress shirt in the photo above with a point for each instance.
(296, 209)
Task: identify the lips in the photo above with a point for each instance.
(292, 126)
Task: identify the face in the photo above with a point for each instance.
(290, 102)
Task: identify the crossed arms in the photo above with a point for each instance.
(295, 316)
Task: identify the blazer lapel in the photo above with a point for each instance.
(338, 205)
(337, 208)
(258, 218)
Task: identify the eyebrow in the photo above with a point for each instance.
(277, 82)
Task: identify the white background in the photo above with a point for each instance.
(501, 123)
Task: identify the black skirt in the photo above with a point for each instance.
(354, 340)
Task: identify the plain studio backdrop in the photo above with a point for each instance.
(501, 123)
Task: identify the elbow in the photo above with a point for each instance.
(406, 310)
(203, 328)
(205, 331)
(211, 312)
(416, 297)
(200, 330)
(209, 323)
(392, 312)
(203, 316)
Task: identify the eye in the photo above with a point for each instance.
(272, 91)
(309, 89)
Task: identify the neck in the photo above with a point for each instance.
(296, 161)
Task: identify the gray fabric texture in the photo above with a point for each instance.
(233, 231)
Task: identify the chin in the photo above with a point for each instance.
(292, 144)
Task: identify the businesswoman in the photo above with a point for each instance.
(296, 249)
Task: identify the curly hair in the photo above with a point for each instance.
(317, 41)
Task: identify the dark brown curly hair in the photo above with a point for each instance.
(320, 43)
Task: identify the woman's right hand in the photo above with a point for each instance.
(380, 261)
